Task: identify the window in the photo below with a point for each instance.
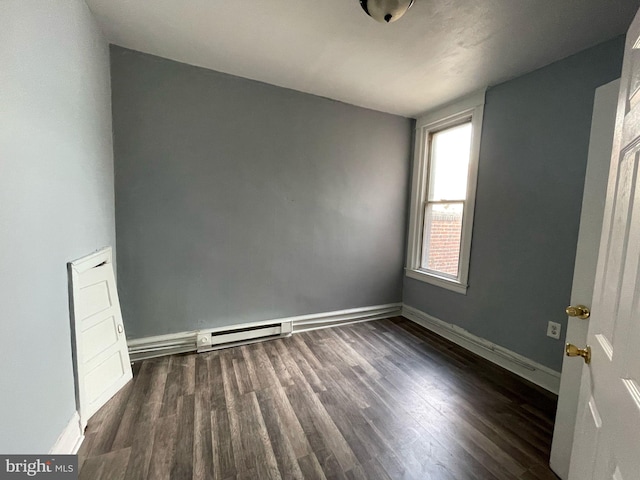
(443, 194)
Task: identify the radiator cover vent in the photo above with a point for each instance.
(231, 336)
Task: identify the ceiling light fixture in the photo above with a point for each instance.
(386, 10)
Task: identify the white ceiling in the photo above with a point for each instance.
(440, 50)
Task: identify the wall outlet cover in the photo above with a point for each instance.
(553, 330)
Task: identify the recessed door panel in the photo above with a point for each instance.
(99, 338)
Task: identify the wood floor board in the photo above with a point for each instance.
(330, 465)
(106, 421)
(371, 470)
(316, 340)
(284, 452)
(294, 370)
(341, 380)
(203, 466)
(108, 466)
(267, 376)
(344, 419)
(302, 346)
(164, 447)
(279, 403)
(182, 466)
(255, 438)
(446, 421)
(309, 374)
(216, 382)
(232, 394)
(145, 423)
(352, 352)
(311, 468)
(385, 399)
(283, 374)
(320, 425)
(241, 372)
(86, 448)
(173, 387)
(222, 441)
(134, 406)
(251, 368)
(188, 367)
(453, 431)
(414, 439)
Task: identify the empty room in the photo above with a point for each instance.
(347, 239)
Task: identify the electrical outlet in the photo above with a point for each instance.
(553, 330)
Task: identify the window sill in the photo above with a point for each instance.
(443, 282)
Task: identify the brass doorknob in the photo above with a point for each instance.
(573, 351)
(579, 311)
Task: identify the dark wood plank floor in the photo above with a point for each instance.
(376, 400)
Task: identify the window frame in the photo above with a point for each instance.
(469, 108)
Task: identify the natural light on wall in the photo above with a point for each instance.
(446, 196)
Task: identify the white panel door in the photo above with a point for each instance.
(584, 274)
(607, 435)
(101, 357)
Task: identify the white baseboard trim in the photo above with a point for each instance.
(524, 367)
(345, 317)
(70, 439)
(161, 345)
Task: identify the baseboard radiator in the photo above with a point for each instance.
(222, 337)
(217, 338)
(161, 345)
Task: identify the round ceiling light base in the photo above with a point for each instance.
(386, 11)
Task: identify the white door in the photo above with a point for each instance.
(607, 435)
(102, 365)
(584, 274)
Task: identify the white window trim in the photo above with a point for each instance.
(471, 107)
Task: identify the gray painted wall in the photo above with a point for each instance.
(56, 203)
(238, 201)
(531, 175)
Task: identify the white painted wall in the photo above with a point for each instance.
(56, 203)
